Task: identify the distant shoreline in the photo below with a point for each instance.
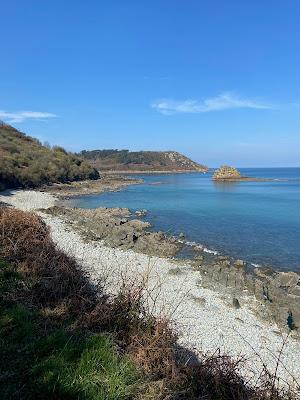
(150, 172)
(107, 183)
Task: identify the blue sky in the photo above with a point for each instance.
(216, 80)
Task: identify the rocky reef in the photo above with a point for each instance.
(118, 227)
(226, 173)
(277, 292)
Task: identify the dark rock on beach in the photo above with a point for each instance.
(4, 205)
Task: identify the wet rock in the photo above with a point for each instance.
(236, 303)
(134, 237)
(157, 244)
(264, 273)
(159, 235)
(290, 321)
(239, 264)
(222, 258)
(223, 261)
(199, 257)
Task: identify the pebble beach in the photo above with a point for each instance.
(206, 320)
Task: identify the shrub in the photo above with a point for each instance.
(25, 162)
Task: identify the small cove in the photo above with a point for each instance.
(256, 221)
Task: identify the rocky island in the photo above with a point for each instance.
(230, 174)
(226, 173)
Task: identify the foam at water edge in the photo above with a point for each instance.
(256, 265)
(194, 244)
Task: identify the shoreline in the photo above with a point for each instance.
(278, 291)
(152, 172)
(207, 317)
(107, 183)
(248, 179)
(62, 191)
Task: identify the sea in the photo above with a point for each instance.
(258, 222)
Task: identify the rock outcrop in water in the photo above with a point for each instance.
(226, 173)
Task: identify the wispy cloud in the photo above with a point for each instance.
(21, 116)
(223, 101)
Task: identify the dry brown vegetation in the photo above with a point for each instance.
(53, 284)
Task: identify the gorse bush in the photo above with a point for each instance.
(25, 162)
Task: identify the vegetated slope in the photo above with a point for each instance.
(25, 162)
(125, 160)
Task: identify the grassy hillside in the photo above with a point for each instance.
(125, 160)
(25, 162)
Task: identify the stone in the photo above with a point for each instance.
(236, 303)
(222, 258)
(141, 213)
(286, 280)
(239, 263)
(199, 257)
(296, 292)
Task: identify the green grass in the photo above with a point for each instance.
(88, 369)
(42, 361)
(9, 278)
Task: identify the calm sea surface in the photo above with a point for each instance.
(256, 221)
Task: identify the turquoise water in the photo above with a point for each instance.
(256, 221)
